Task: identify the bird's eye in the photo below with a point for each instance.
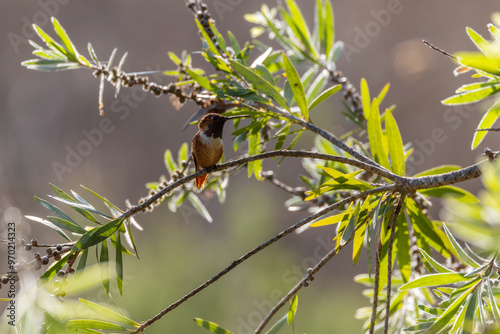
(215, 117)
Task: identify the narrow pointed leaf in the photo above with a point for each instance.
(259, 83)
(198, 205)
(104, 259)
(63, 36)
(438, 170)
(489, 118)
(278, 325)
(296, 86)
(54, 268)
(77, 325)
(68, 226)
(365, 98)
(450, 191)
(395, 141)
(447, 315)
(351, 226)
(435, 280)
(325, 95)
(211, 326)
(462, 255)
(293, 309)
(108, 314)
(376, 137)
(97, 235)
(119, 263)
(435, 264)
(49, 224)
(471, 96)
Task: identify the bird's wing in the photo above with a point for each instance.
(196, 166)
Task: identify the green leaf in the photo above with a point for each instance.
(298, 25)
(84, 213)
(429, 234)
(479, 61)
(105, 200)
(97, 235)
(314, 88)
(450, 191)
(87, 323)
(211, 326)
(51, 43)
(72, 53)
(435, 280)
(323, 96)
(170, 162)
(351, 226)
(202, 81)
(130, 235)
(173, 57)
(383, 93)
(489, 118)
(395, 141)
(259, 83)
(198, 205)
(104, 259)
(447, 315)
(482, 44)
(431, 310)
(438, 170)
(296, 86)
(119, 263)
(365, 98)
(435, 264)
(329, 29)
(461, 254)
(359, 237)
(376, 136)
(278, 325)
(293, 309)
(55, 210)
(234, 42)
(83, 260)
(470, 311)
(471, 96)
(108, 314)
(403, 248)
(254, 147)
(49, 224)
(54, 269)
(62, 223)
(74, 204)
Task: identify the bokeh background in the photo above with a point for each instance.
(44, 115)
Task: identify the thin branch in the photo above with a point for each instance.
(298, 154)
(323, 133)
(433, 181)
(296, 191)
(488, 129)
(259, 248)
(389, 257)
(302, 283)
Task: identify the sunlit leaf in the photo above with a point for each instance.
(296, 86)
(211, 326)
(108, 314)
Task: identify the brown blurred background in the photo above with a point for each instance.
(43, 115)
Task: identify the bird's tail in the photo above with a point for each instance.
(200, 181)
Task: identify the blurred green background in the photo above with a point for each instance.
(44, 115)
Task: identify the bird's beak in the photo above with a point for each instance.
(226, 118)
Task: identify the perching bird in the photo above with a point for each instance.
(207, 147)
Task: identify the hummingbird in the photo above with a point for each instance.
(207, 146)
